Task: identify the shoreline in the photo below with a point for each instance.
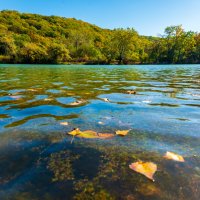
(100, 64)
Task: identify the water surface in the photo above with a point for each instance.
(38, 160)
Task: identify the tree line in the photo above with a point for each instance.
(33, 38)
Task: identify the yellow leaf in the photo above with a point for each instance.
(70, 93)
(122, 133)
(173, 156)
(48, 99)
(90, 134)
(75, 132)
(148, 169)
(34, 89)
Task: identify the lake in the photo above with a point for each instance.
(40, 104)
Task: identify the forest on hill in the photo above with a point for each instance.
(33, 38)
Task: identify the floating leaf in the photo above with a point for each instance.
(105, 135)
(131, 92)
(173, 156)
(76, 103)
(34, 89)
(146, 101)
(90, 134)
(15, 97)
(108, 118)
(64, 123)
(75, 132)
(148, 169)
(48, 99)
(106, 99)
(70, 93)
(122, 133)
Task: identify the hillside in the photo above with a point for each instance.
(32, 38)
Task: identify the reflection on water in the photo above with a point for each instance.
(38, 160)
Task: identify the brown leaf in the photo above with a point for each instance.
(173, 156)
(122, 133)
(105, 135)
(148, 169)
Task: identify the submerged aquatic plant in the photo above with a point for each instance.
(90, 190)
(61, 165)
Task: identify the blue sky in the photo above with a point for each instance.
(148, 17)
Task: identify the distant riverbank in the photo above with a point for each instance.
(37, 39)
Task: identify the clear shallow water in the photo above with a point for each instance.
(38, 160)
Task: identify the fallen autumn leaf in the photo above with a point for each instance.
(122, 133)
(148, 169)
(173, 156)
(89, 134)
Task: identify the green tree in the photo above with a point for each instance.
(58, 53)
(32, 53)
(7, 46)
(32, 38)
(123, 44)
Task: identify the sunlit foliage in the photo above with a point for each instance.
(32, 38)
